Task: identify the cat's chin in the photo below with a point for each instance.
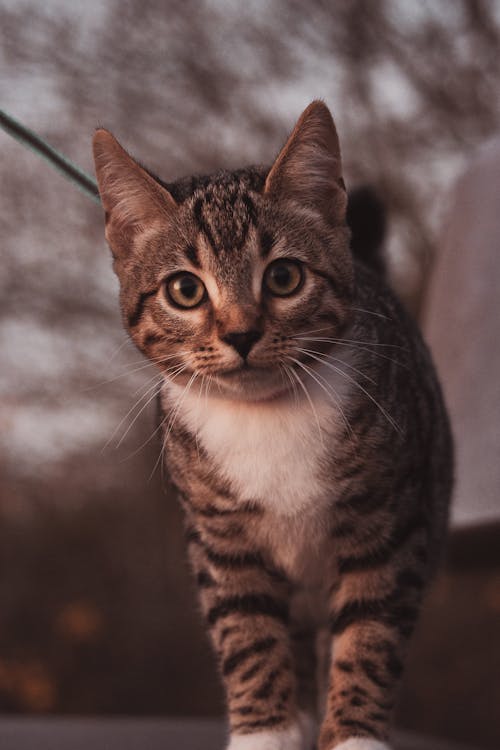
(254, 385)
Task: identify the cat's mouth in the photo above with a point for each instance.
(242, 370)
(252, 383)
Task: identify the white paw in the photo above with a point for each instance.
(361, 743)
(279, 739)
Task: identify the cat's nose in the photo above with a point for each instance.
(242, 341)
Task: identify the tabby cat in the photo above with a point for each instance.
(303, 427)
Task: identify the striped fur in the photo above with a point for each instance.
(315, 465)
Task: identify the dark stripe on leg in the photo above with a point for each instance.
(271, 721)
(266, 689)
(383, 554)
(372, 672)
(390, 610)
(252, 671)
(363, 502)
(205, 580)
(360, 727)
(234, 660)
(249, 604)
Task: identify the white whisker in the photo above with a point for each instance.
(337, 359)
(284, 368)
(371, 312)
(158, 358)
(327, 388)
(175, 373)
(143, 445)
(146, 364)
(151, 398)
(352, 380)
(352, 341)
(304, 388)
(173, 416)
(156, 379)
(355, 345)
(118, 350)
(200, 390)
(314, 330)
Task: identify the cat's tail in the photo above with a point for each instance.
(367, 220)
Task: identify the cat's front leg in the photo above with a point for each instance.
(373, 611)
(245, 604)
(366, 664)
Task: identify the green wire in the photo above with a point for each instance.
(81, 179)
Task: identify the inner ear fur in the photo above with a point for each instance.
(308, 168)
(131, 198)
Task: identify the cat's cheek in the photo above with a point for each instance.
(279, 739)
(361, 743)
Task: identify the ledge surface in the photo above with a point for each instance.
(64, 733)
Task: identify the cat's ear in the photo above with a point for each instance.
(131, 198)
(308, 169)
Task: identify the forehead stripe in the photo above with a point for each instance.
(250, 207)
(202, 224)
(192, 255)
(266, 243)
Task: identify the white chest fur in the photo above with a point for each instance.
(270, 452)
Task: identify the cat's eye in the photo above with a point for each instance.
(284, 277)
(185, 290)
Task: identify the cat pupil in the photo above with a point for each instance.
(188, 287)
(281, 276)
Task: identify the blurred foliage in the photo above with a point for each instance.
(98, 610)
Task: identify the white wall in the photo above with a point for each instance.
(462, 325)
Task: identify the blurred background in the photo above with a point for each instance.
(97, 611)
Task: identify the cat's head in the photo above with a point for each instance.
(226, 276)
